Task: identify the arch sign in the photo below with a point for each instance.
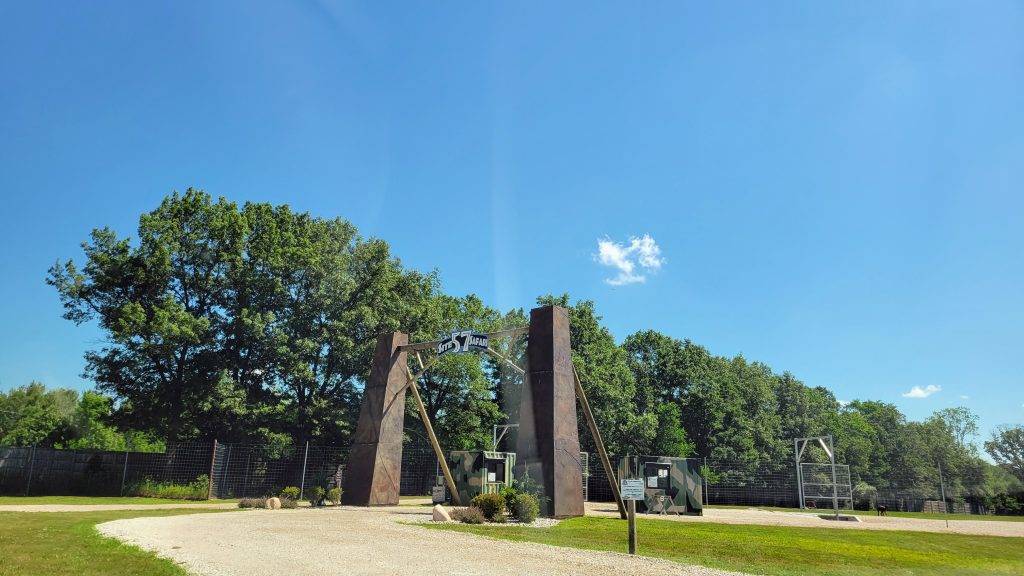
(462, 341)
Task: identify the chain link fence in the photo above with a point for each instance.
(237, 470)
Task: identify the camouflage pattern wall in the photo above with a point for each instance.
(470, 471)
(671, 485)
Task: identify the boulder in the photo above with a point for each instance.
(273, 503)
(440, 514)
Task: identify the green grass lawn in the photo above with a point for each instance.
(779, 550)
(924, 515)
(59, 543)
(14, 500)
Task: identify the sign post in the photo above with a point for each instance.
(631, 490)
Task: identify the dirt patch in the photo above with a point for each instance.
(349, 540)
(812, 520)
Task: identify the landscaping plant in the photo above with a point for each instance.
(316, 496)
(527, 508)
(471, 515)
(489, 504)
(252, 503)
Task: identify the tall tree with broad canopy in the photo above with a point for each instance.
(1006, 447)
(239, 324)
(458, 391)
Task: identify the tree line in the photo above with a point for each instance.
(257, 324)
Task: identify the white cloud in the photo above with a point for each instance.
(631, 262)
(918, 392)
(965, 397)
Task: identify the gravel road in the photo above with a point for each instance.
(348, 540)
(810, 520)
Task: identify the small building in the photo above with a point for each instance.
(480, 472)
(671, 485)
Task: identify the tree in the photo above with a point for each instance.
(59, 418)
(236, 324)
(1006, 447)
(32, 415)
(669, 437)
(961, 423)
(459, 396)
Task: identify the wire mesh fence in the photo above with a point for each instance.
(237, 470)
(46, 471)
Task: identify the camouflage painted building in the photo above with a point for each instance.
(480, 472)
(671, 485)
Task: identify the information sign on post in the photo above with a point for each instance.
(631, 490)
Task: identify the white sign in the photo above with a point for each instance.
(438, 495)
(631, 488)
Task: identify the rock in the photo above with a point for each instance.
(273, 503)
(440, 514)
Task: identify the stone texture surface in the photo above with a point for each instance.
(374, 469)
(548, 446)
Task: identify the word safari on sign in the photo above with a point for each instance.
(463, 341)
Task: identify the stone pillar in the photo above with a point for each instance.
(374, 470)
(548, 445)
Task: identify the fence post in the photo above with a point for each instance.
(942, 488)
(124, 472)
(707, 497)
(302, 484)
(31, 464)
(209, 483)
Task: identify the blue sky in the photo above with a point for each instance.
(832, 188)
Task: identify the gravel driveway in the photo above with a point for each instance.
(348, 540)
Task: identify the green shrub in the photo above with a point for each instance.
(288, 503)
(334, 495)
(500, 518)
(527, 508)
(198, 489)
(471, 515)
(489, 504)
(510, 494)
(316, 496)
(253, 503)
(291, 493)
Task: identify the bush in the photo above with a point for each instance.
(291, 493)
(500, 518)
(489, 504)
(334, 495)
(198, 489)
(316, 496)
(510, 494)
(288, 503)
(471, 515)
(253, 503)
(527, 508)
(864, 496)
